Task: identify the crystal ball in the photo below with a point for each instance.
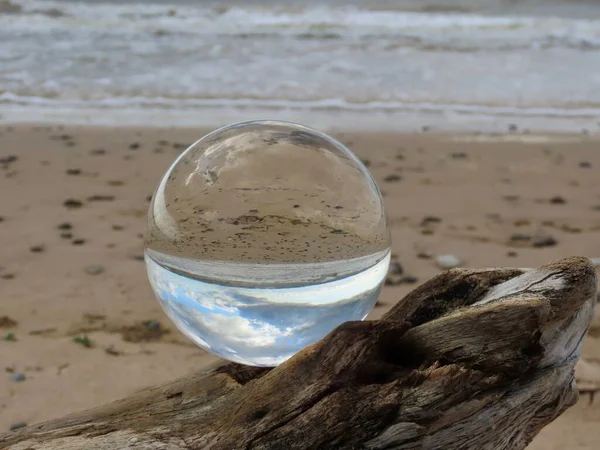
(263, 237)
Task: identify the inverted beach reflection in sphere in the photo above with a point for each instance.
(263, 237)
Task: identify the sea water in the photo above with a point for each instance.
(263, 237)
(383, 64)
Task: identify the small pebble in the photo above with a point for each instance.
(395, 268)
(459, 155)
(134, 146)
(424, 255)
(17, 377)
(544, 241)
(98, 151)
(37, 249)
(72, 203)
(585, 165)
(64, 226)
(557, 200)
(73, 171)
(447, 261)
(138, 257)
(78, 241)
(520, 237)
(101, 198)
(8, 159)
(409, 279)
(429, 220)
(66, 235)
(94, 269)
(152, 325)
(17, 425)
(393, 178)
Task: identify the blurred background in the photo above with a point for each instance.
(479, 120)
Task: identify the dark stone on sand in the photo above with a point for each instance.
(511, 198)
(78, 241)
(7, 276)
(1, 219)
(366, 162)
(585, 165)
(163, 142)
(72, 203)
(557, 200)
(544, 241)
(459, 155)
(64, 226)
(66, 235)
(7, 322)
(390, 281)
(428, 220)
(512, 254)
(73, 171)
(520, 237)
(296, 206)
(395, 268)
(148, 198)
(512, 127)
(152, 325)
(150, 330)
(424, 255)
(138, 257)
(134, 146)
(17, 377)
(118, 227)
(101, 198)
(17, 425)
(98, 151)
(9, 159)
(37, 249)
(409, 279)
(596, 208)
(392, 178)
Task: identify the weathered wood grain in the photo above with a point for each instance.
(472, 359)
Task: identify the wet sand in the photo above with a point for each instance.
(79, 325)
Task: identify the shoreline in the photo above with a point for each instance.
(520, 128)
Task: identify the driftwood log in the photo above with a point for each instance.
(472, 359)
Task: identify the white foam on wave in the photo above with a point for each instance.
(321, 104)
(131, 18)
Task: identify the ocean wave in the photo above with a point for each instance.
(308, 22)
(325, 104)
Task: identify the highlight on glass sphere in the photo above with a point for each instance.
(263, 237)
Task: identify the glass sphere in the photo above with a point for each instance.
(264, 236)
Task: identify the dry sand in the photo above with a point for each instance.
(75, 302)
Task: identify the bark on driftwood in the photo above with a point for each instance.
(472, 359)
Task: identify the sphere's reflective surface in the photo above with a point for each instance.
(263, 237)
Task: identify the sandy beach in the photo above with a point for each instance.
(79, 325)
